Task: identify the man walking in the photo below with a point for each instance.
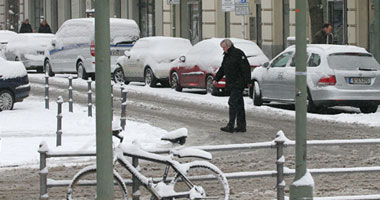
(324, 36)
(236, 69)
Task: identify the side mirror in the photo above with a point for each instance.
(182, 59)
(127, 53)
(53, 42)
(266, 65)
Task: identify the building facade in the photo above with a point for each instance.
(269, 22)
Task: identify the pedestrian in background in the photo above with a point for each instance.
(26, 27)
(236, 69)
(324, 36)
(44, 27)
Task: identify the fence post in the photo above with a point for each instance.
(89, 94)
(280, 140)
(112, 99)
(43, 149)
(46, 91)
(59, 121)
(123, 116)
(70, 93)
(135, 182)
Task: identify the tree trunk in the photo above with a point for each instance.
(316, 15)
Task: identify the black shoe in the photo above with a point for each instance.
(242, 130)
(227, 129)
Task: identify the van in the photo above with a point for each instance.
(73, 48)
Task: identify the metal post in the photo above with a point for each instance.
(89, 94)
(43, 149)
(59, 120)
(280, 167)
(112, 100)
(376, 34)
(243, 27)
(70, 93)
(104, 159)
(135, 182)
(123, 116)
(174, 21)
(304, 190)
(46, 91)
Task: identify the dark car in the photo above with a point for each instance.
(14, 84)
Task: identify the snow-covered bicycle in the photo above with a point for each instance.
(175, 182)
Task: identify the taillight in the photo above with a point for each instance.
(329, 80)
(92, 48)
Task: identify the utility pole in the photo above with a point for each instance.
(302, 186)
(104, 168)
(376, 34)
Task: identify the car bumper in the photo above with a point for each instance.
(33, 64)
(21, 92)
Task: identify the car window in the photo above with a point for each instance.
(293, 63)
(282, 60)
(352, 61)
(314, 60)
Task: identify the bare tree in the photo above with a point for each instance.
(316, 15)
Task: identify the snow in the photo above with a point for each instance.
(6, 35)
(191, 152)
(29, 43)
(182, 132)
(10, 69)
(306, 180)
(24, 128)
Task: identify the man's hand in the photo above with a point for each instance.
(214, 82)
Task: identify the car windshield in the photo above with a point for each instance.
(353, 61)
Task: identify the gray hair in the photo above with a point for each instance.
(227, 42)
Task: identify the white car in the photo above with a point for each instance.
(73, 49)
(5, 36)
(337, 75)
(149, 60)
(28, 48)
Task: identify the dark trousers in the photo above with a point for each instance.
(236, 110)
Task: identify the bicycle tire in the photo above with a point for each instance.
(204, 168)
(88, 175)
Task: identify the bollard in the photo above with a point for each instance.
(123, 116)
(43, 149)
(70, 93)
(59, 121)
(280, 141)
(112, 100)
(135, 182)
(89, 94)
(46, 91)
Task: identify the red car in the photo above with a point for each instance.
(198, 67)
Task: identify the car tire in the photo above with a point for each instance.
(81, 71)
(6, 100)
(175, 82)
(256, 94)
(118, 75)
(369, 109)
(149, 77)
(48, 69)
(311, 107)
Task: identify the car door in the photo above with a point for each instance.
(274, 75)
(132, 62)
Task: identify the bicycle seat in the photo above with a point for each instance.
(176, 137)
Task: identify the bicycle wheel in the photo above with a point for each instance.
(215, 187)
(86, 189)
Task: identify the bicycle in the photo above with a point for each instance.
(180, 186)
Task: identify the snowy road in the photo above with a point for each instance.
(203, 115)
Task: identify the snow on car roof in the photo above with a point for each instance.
(29, 42)
(11, 69)
(6, 35)
(330, 49)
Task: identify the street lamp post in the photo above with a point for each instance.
(376, 34)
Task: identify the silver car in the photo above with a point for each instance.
(336, 76)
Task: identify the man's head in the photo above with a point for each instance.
(26, 21)
(327, 28)
(226, 44)
(43, 22)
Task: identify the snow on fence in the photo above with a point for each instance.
(278, 143)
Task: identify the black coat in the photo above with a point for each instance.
(236, 68)
(26, 28)
(44, 29)
(321, 38)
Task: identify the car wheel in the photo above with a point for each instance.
(48, 69)
(6, 100)
(369, 109)
(311, 107)
(256, 94)
(175, 82)
(81, 71)
(118, 76)
(149, 77)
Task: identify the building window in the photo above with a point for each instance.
(147, 18)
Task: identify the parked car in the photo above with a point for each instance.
(5, 36)
(28, 48)
(336, 76)
(149, 60)
(14, 83)
(73, 49)
(197, 68)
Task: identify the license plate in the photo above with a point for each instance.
(117, 52)
(360, 80)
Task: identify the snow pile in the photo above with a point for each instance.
(306, 180)
(27, 43)
(10, 69)
(6, 35)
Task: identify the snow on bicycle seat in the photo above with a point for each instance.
(176, 137)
